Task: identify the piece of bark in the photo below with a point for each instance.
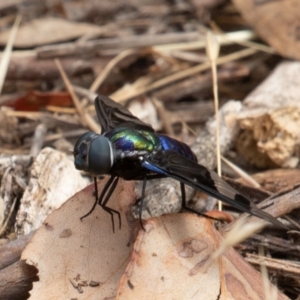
(16, 281)
(13, 174)
(52, 181)
(274, 245)
(270, 120)
(288, 268)
(11, 252)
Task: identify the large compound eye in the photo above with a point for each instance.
(100, 156)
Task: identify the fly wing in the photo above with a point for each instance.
(197, 176)
(112, 115)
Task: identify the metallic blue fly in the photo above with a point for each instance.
(130, 149)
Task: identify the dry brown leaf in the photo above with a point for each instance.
(49, 30)
(276, 22)
(169, 261)
(71, 254)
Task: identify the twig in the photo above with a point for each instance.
(159, 42)
(105, 72)
(85, 117)
(162, 113)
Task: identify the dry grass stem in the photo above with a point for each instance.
(239, 232)
(106, 71)
(189, 128)
(86, 119)
(162, 113)
(212, 50)
(270, 292)
(5, 58)
(124, 94)
(241, 173)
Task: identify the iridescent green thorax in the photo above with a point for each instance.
(125, 139)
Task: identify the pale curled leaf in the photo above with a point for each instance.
(49, 30)
(169, 262)
(71, 254)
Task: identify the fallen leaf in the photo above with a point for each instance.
(36, 100)
(82, 259)
(171, 261)
(276, 22)
(47, 31)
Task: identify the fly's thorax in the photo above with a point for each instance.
(132, 141)
(94, 154)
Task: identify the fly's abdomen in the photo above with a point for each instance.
(168, 143)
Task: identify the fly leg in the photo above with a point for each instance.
(185, 207)
(113, 184)
(98, 200)
(141, 200)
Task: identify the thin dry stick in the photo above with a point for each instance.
(24, 114)
(86, 119)
(121, 95)
(223, 39)
(7, 52)
(212, 50)
(162, 113)
(241, 173)
(188, 128)
(107, 69)
(4, 225)
(61, 110)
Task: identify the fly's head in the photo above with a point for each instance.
(93, 154)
